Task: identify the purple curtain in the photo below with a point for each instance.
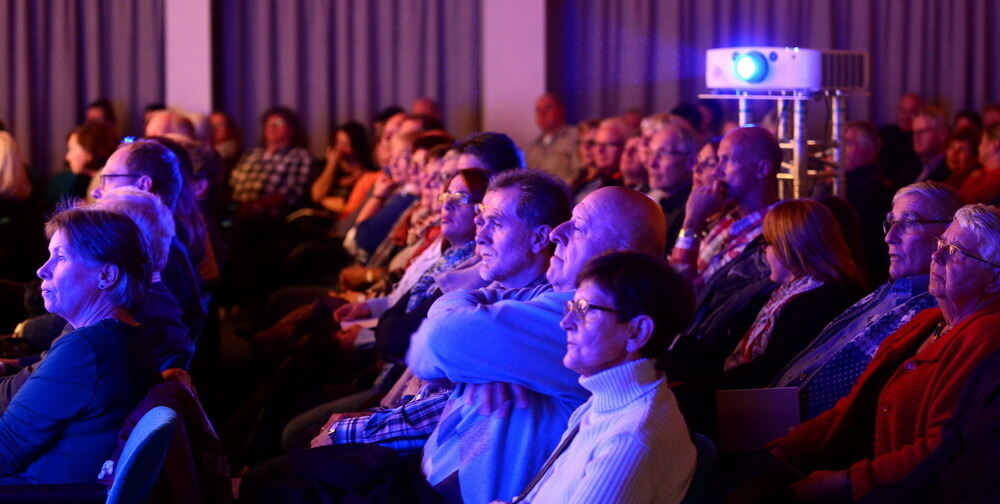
(333, 61)
(61, 54)
(606, 56)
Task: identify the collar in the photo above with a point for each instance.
(909, 286)
(616, 387)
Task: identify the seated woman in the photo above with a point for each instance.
(63, 423)
(894, 414)
(628, 442)
(88, 147)
(816, 279)
(349, 173)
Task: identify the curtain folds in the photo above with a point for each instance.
(606, 56)
(333, 61)
(61, 54)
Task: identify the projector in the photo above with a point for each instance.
(757, 68)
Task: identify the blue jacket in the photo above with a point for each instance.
(63, 422)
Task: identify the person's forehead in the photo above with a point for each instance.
(458, 184)
(504, 200)
(911, 204)
(607, 132)
(116, 163)
(469, 162)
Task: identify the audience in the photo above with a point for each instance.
(930, 139)
(62, 423)
(628, 442)
(483, 449)
(670, 160)
(606, 153)
(897, 159)
(272, 178)
(555, 149)
(436, 240)
(88, 148)
(816, 278)
(827, 368)
(893, 416)
(983, 186)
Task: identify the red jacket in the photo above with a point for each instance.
(893, 416)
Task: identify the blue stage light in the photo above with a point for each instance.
(751, 67)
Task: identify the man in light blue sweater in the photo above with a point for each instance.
(488, 445)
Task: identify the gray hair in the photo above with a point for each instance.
(149, 213)
(984, 222)
(941, 197)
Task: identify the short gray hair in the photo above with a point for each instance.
(149, 213)
(984, 222)
(942, 198)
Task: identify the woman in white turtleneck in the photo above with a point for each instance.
(628, 443)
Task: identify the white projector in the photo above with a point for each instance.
(785, 69)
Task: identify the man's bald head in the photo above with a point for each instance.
(755, 144)
(608, 219)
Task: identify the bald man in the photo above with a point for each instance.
(749, 158)
(554, 150)
(479, 452)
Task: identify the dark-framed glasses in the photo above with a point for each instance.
(106, 176)
(950, 249)
(580, 307)
(907, 224)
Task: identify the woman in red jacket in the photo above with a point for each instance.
(894, 414)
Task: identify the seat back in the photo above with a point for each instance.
(705, 461)
(142, 456)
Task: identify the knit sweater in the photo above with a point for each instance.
(894, 414)
(473, 337)
(632, 446)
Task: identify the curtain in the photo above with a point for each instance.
(606, 56)
(62, 54)
(334, 61)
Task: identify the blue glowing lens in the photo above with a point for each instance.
(751, 67)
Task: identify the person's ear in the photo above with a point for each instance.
(107, 276)
(144, 183)
(764, 168)
(200, 187)
(640, 332)
(540, 238)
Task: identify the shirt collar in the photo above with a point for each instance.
(909, 286)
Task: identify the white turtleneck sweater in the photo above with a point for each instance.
(633, 445)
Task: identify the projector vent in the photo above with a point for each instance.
(846, 70)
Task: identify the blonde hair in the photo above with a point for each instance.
(808, 241)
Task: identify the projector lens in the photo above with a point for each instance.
(751, 67)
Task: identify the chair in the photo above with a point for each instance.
(143, 456)
(137, 469)
(704, 463)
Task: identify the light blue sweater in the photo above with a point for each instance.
(473, 337)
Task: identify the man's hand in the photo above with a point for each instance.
(703, 203)
(823, 487)
(494, 397)
(352, 311)
(323, 438)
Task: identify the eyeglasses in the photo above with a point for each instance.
(480, 209)
(452, 199)
(908, 224)
(708, 163)
(106, 176)
(951, 249)
(580, 307)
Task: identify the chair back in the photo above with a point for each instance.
(704, 463)
(142, 457)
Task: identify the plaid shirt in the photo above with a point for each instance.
(726, 240)
(284, 172)
(403, 428)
